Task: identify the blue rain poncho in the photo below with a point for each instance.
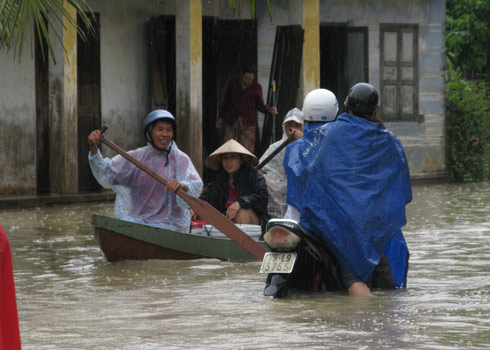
(142, 199)
(350, 181)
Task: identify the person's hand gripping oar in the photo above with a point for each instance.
(200, 207)
(274, 116)
(276, 151)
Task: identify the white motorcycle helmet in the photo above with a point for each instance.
(320, 105)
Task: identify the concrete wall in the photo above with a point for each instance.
(124, 89)
(424, 142)
(17, 123)
(125, 80)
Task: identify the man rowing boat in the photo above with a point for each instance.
(139, 198)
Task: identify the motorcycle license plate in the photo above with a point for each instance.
(278, 262)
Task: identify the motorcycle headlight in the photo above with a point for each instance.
(280, 238)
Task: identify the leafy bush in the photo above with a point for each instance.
(468, 34)
(468, 129)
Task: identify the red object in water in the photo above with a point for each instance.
(198, 223)
(9, 322)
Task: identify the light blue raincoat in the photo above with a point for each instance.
(142, 199)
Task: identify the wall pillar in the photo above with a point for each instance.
(189, 79)
(63, 142)
(311, 45)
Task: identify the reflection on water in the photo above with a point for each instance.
(69, 297)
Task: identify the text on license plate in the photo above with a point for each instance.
(278, 262)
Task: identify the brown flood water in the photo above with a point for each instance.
(70, 298)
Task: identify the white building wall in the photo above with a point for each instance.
(17, 122)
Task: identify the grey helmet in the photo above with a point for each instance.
(151, 119)
(158, 114)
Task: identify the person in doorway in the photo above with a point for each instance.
(140, 198)
(273, 171)
(238, 112)
(9, 321)
(239, 190)
(354, 192)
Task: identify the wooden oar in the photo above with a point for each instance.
(276, 151)
(200, 207)
(274, 115)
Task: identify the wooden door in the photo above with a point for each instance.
(343, 59)
(42, 115)
(285, 71)
(89, 108)
(356, 69)
(162, 64)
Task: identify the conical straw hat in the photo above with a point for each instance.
(230, 146)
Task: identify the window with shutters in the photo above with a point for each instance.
(399, 72)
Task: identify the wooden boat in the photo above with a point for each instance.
(124, 240)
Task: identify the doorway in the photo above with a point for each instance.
(343, 59)
(42, 114)
(89, 106)
(162, 64)
(227, 46)
(285, 72)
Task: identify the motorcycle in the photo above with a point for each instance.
(297, 261)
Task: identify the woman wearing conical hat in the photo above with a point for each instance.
(239, 191)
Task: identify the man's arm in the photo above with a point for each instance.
(259, 101)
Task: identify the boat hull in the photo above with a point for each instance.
(123, 240)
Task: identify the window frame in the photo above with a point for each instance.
(399, 65)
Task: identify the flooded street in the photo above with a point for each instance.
(70, 298)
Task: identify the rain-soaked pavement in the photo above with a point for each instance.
(69, 297)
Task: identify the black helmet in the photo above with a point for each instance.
(362, 99)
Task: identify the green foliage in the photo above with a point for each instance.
(468, 33)
(237, 4)
(17, 17)
(468, 132)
